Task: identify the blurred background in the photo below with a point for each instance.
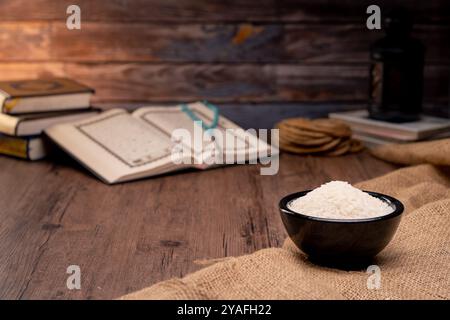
(260, 61)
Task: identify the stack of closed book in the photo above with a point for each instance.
(30, 106)
(374, 132)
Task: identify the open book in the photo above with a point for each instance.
(118, 146)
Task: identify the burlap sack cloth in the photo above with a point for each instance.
(415, 265)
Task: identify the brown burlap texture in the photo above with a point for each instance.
(433, 152)
(415, 265)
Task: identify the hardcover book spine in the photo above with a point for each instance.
(14, 147)
(3, 97)
(9, 104)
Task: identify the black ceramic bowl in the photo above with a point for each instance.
(340, 242)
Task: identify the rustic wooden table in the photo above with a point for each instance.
(126, 237)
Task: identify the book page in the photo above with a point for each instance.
(131, 141)
(169, 119)
(115, 145)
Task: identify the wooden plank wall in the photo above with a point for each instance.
(239, 51)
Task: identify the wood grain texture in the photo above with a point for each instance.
(131, 82)
(219, 11)
(234, 52)
(129, 236)
(219, 83)
(200, 43)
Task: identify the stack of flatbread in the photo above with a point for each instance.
(328, 137)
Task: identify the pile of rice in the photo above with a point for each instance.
(340, 200)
